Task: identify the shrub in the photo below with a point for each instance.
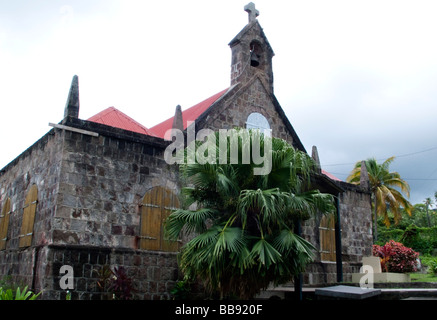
(181, 290)
(430, 263)
(121, 284)
(115, 283)
(433, 267)
(421, 239)
(19, 294)
(395, 257)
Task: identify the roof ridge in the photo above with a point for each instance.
(190, 114)
(120, 120)
(121, 113)
(123, 121)
(101, 113)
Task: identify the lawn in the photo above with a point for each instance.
(423, 277)
(428, 264)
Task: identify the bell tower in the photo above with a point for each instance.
(251, 52)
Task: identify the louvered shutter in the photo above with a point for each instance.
(327, 238)
(29, 211)
(171, 202)
(4, 223)
(157, 206)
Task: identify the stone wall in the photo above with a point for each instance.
(356, 228)
(39, 165)
(251, 39)
(356, 237)
(354, 203)
(233, 109)
(318, 272)
(102, 184)
(89, 193)
(90, 190)
(97, 222)
(153, 274)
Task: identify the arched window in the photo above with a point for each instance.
(4, 223)
(157, 205)
(29, 211)
(257, 121)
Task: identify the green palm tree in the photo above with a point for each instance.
(386, 187)
(244, 223)
(428, 202)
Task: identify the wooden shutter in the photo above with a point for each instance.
(4, 223)
(157, 206)
(171, 202)
(28, 217)
(327, 238)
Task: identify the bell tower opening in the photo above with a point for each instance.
(256, 54)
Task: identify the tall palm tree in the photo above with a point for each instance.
(428, 202)
(244, 223)
(386, 188)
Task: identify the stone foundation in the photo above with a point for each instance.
(153, 274)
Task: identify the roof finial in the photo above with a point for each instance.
(178, 121)
(315, 156)
(72, 105)
(364, 176)
(250, 9)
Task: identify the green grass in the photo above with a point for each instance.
(423, 277)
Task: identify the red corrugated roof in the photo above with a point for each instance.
(329, 175)
(190, 114)
(115, 118)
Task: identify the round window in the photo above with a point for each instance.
(258, 121)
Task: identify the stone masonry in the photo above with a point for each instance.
(92, 182)
(356, 237)
(90, 189)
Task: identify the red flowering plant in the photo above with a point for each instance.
(395, 257)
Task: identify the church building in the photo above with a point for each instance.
(94, 193)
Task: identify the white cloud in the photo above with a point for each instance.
(346, 72)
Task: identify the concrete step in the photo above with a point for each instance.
(406, 293)
(392, 291)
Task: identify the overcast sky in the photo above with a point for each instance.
(356, 78)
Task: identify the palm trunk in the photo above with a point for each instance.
(375, 223)
(427, 216)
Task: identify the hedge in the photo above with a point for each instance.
(423, 240)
